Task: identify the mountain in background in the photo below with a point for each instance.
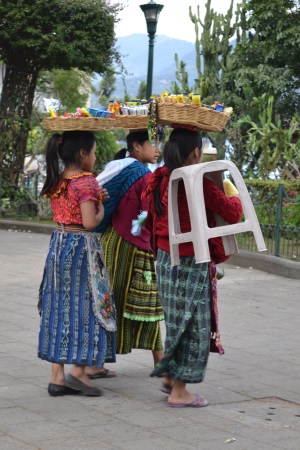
(134, 51)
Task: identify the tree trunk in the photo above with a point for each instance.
(15, 110)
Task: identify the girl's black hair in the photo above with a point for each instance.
(181, 144)
(134, 136)
(140, 137)
(65, 147)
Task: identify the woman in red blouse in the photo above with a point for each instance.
(76, 304)
(185, 290)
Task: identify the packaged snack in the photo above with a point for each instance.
(219, 108)
(228, 110)
(230, 188)
(83, 112)
(179, 98)
(196, 99)
(53, 113)
(164, 97)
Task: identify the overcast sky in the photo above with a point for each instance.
(174, 19)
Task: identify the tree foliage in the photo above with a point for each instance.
(259, 78)
(106, 149)
(268, 60)
(142, 92)
(43, 35)
(107, 86)
(57, 34)
(266, 95)
(273, 151)
(71, 87)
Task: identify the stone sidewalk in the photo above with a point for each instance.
(253, 390)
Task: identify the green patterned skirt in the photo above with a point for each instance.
(133, 281)
(185, 294)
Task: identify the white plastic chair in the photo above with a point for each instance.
(192, 177)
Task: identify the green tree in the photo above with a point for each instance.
(106, 87)
(181, 75)
(106, 149)
(43, 35)
(268, 60)
(264, 62)
(259, 79)
(273, 151)
(71, 87)
(212, 43)
(141, 94)
(213, 58)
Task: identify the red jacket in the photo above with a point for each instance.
(230, 209)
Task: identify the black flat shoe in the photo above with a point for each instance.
(75, 383)
(55, 390)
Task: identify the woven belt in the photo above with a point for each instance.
(71, 228)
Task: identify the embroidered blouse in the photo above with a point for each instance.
(70, 193)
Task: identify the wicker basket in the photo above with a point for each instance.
(95, 124)
(139, 122)
(203, 118)
(80, 123)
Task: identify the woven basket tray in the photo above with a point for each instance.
(81, 124)
(132, 122)
(94, 123)
(203, 118)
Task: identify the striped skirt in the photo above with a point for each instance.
(185, 294)
(133, 281)
(69, 330)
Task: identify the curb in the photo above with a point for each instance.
(259, 261)
(267, 263)
(18, 225)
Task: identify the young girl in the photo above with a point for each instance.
(76, 305)
(129, 258)
(185, 290)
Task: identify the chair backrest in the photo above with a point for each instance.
(192, 177)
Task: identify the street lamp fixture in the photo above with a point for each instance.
(151, 11)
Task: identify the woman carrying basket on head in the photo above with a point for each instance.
(76, 304)
(128, 257)
(187, 291)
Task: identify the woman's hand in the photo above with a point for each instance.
(104, 194)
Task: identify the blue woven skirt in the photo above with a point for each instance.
(69, 330)
(185, 295)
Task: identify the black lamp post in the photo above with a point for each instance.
(151, 11)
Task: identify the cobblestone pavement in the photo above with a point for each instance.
(253, 390)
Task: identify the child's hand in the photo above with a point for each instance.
(104, 194)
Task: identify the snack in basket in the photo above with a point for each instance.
(166, 110)
(188, 109)
(53, 113)
(100, 113)
(228, 110)
(196, 99)
(83, 112)
(95, 119)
